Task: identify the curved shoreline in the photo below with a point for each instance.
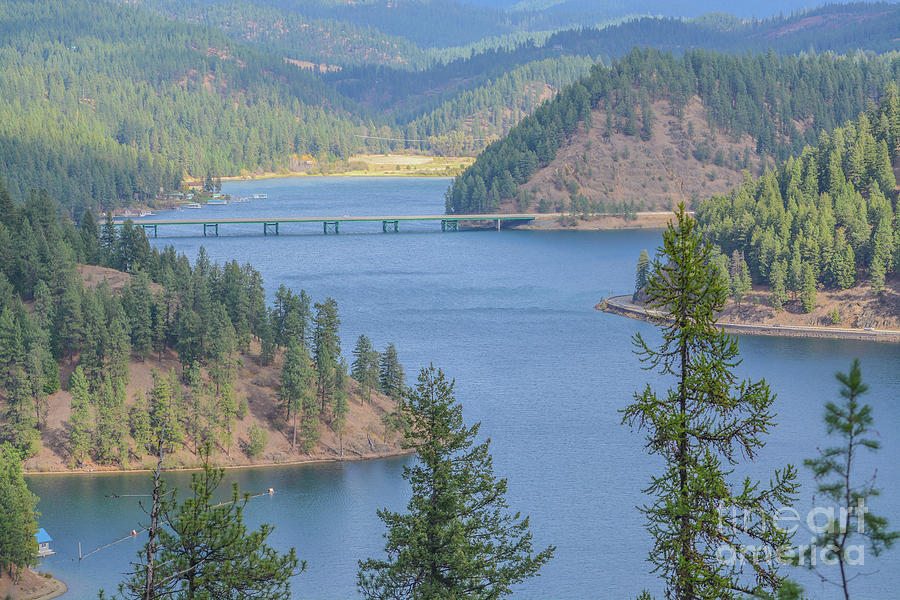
(261, 465)
(622, 306)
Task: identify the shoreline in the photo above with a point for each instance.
(622, 306)
(32, 585)
(354, 173)
(261, 465)
(59, 588)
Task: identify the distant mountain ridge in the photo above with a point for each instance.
(117, 101)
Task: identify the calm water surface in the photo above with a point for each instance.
(510, 315)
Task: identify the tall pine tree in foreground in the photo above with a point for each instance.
(834, 472)
(701, 428)
(203, 550)
(457, 539)
(18, 548)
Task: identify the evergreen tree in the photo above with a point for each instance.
(138, 305)
(808, 292)
(80, 418)
(139, 424)
(740, 277)
(296, 383)
(392, 378)
(457, 539)
(835, 471)
(205, 550)
(340, 406)
(700, 428)
(327, 348)
(365, 366)
(777, 278)
(257, 438)
(640, 278)
(18, 548)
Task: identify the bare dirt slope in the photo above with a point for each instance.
(857, 307)
(93, 275)
(30, 586)
(683, 159)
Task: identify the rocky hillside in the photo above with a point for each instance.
(683, 159)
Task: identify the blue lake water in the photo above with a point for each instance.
(510, 315)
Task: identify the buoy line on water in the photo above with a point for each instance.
(135, 532)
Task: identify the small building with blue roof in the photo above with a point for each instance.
(43, 539)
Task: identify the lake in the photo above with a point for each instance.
(510, 315)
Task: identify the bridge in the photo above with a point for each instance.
(332, 225)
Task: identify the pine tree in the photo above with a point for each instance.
(139, 425)
(808, 292)
(877, 275)
(392, 378)
(18, 548)
(835, 471)
(700, 428)
(365, 366)
(740, 277)
(327, 347)
(458, 539)
(80, 418)
(296, 383)
(777, 277)
(138, 304)
(640, 278)
(339, 405)
(69, 325)
(205, 550)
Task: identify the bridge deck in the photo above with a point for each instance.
(344, 219)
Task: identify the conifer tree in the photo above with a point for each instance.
(836, 471)
(339, 405)
(18, 548)
(296, 383)
(808, 292)
(392, 378)
(139, 424)
(326, 347)
(457, 538)
(80, 418)
(700, 428)
(777, 278)
(740, 277)
(365, 366)
(204, 550)
(640, 278)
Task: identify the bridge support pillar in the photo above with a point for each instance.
(211, 229)
(270, 228)
(449, 225)
(498, 224)
(148, 228)
(390, 226)
(331, 227)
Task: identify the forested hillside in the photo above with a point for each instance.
(109, 103)
(144, 341)
(826, 217)
(105, 104)
(779, 103)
